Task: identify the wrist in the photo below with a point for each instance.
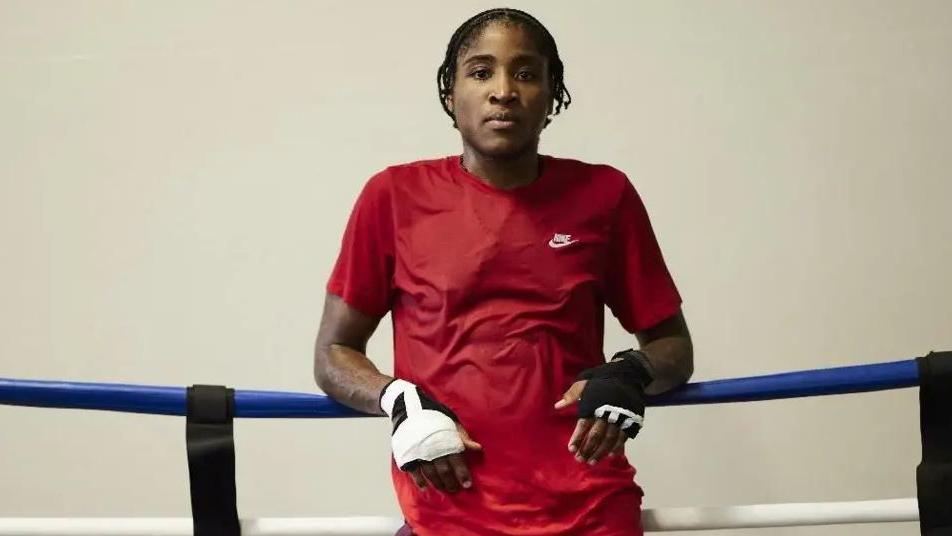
(638, 366)
(389, 394)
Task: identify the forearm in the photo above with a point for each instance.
(349, 377)
(672, 362)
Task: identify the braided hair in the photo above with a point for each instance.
(469, 31)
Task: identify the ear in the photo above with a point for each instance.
(548, 115)
(450, 105)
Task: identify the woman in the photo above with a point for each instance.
(496, 266)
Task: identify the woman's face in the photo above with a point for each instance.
(501, 96)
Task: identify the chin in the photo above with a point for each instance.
(505, 149)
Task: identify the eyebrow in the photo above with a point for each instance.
(521, 58)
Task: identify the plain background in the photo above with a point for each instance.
(176, 177)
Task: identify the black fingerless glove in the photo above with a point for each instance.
(615, 391)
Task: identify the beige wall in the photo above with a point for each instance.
(175, 178)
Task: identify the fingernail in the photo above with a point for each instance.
(593, 461)
(579, 459)
(572, 448)
(467, 484)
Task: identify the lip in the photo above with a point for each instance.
(501, 121)
(501, 124)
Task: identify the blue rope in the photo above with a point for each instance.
(275, 404)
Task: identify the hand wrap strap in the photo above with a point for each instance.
(423, 429)
(615, 391)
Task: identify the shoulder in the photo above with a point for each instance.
(594, 172)
(416, 169)
(605, 180)
(406, 176)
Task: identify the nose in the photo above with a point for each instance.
(504, 91)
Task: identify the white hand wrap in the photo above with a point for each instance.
(423, 429)
(620, 416)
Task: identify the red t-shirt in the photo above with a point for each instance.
(497, 299)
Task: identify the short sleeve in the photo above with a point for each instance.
(363, 273)
(639, 289)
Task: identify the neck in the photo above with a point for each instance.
(503, 173)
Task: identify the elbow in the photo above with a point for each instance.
(687, 363)
(687, 371)
(319, 378)
(321, 358)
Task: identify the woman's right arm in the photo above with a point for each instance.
(344, 372)
(341, 368)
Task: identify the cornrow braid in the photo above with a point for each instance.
(466, 34)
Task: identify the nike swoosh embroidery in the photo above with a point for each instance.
(556, 245)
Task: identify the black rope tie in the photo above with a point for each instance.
(210, 441)
(934, 474)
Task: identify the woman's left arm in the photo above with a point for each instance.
(670, 351)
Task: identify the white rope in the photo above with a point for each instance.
(654, 520)
(182, 526)
(780, 515)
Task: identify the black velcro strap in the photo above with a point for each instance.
(934, 474)
(210, 441)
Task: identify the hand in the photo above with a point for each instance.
(427, 440)
(593, 438)
(448, 473)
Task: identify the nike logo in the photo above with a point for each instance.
(561, 240)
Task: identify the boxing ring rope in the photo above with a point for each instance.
(653, 520)
(277, 404)
(274, 404)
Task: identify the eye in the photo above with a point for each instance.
(480, 74)
(525, 75)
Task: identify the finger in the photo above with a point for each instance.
(458, 465)
(429, 471)
(571, 395)
(581, 428)
(446, 473)
(619, 449)
(592, 440)
(608, 443)
(467, 441)
(418, 479)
